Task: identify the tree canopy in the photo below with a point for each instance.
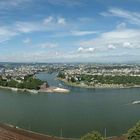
(29, 83)
(134, 133)
(94, 135)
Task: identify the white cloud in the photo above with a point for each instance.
(48, 45)
(8, 4)
(34, 56)
(75, 33)
(43, 56)
(82, 33)
(61, 21)
(111, 46)
(48, 20)
(126, 38)
(6, 33)
(27, 40)
(27, 27)
(86, 19)
(80, 49)
(67, 2)
(86, 50)
(49, 23)
(121, 26)
(129, 45)
(131, 17)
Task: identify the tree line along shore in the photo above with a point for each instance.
(29, 84)
(100, 81)
(132, 134)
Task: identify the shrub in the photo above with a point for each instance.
(134, 133)
(93, 136)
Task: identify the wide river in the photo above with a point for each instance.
(73, 114)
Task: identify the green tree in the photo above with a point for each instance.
(61, 75)
(12, 83)
(134, 133)
(93, 136)
(73, 79)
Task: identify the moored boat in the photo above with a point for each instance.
(136, 102)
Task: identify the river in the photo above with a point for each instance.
(73, 114)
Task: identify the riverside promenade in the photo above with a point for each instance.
(9, 132)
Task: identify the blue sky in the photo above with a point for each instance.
(70, 30)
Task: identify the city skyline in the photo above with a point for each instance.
(69, 31)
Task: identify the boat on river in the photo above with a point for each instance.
(14, 89)
(136, 102)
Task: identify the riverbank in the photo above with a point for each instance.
(10, 132)
(98, 86)
(32, 91)
(19, 89)
(54, 90)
